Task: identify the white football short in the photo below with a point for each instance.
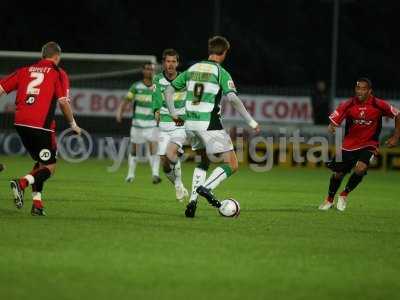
(214, 141)
(177, 136)
(143, 135)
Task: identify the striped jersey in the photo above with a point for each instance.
(142, 96)
(166, 122)
(205, 83)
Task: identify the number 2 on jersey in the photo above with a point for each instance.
(32, 88)
(198, 91)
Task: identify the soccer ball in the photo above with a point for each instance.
(229, 208)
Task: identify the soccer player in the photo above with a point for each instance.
(39, 88)
(205, 82)
(363, 114)
(172, 137)
(144, 128)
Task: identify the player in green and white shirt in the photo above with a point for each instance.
(171, 137)
(205, 83)
(144, 127)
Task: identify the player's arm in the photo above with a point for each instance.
(229, 90)
(66, 109)
(62, 94)
(337, 117)
(9, 83)
(391, 112)
(129, 98)
(178, 84)
(241, 109)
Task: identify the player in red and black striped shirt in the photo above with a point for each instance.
(39, 88)
(363, 114)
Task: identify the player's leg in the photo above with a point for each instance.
(199, 176)
(42, 147)
(135, 139)
(132, 163)
(340, 169)
(218, 142)
(154, 162)
(40, 175)
(334, 184)
(174, 151)
(359, 171)
(151, 136)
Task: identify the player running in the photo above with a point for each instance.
(172, 137)
(363, 114)
(205, 83)
(39, 88)
(144, 128)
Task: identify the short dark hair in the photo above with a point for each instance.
(50, 49)
(147, 63)
(170, 52)
(218, 45)
(366, 80)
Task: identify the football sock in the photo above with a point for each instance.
(171, 175)
(155, 165)
(178, 173)
(334, 184)
(218, 175)
(35, 168)
(199, 176)
(132, 162)
(41, 176)
(354, 180)
(37, 199)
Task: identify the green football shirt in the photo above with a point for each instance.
(205, 83)
(161, 82)
(142, 97)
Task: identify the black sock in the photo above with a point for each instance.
(354, 180)
(40, 177)
(334, 184)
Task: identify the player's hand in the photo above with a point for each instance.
(157, 116)
(257, 129)
(392, 141)
(118, 118)
(178, 121)
(332, 128)
(75, 128)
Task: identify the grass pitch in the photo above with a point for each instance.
(106, 239)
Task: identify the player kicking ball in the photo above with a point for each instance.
(205, 83)
(40, 87)
(172, 137)
(363, 115)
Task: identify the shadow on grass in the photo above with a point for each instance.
(303, 209)
(142, 212)
(8, 211)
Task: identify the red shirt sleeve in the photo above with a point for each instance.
(10, 82)
(340, 113)
(62, 85)
(387, 109)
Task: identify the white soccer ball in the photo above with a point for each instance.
(229, 208)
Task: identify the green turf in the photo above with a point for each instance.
(106, 239)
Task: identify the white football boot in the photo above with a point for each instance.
(341, 203)
(129, 178)
(326, 205)
(181, 193)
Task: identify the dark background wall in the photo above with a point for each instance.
(280, 43)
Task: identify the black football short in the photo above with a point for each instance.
(41, 144)
(350, 159)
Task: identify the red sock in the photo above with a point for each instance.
(344, 194)
(37, 203)
(23, 183)
(329, 199)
